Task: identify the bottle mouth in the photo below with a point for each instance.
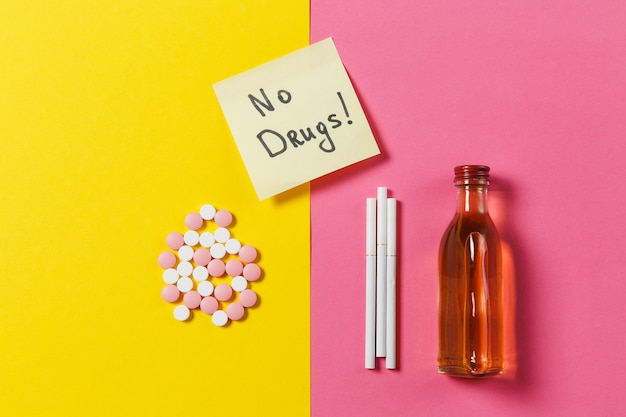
(471, 175)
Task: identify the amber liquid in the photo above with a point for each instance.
(470, 292)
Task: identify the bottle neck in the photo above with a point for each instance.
(471, 199)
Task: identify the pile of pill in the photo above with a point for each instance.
(208, 269)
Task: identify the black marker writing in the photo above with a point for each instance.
(276, 143)
(345, 108)
(283, 96)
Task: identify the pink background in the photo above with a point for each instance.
(537, 90)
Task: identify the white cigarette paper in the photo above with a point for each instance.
(370, 284)
(390, 360)
(381, 271)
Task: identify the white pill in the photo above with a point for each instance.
(181, 313)
(170, 276)
(232, 246)
(207, 239)
(205, 288)
(218, 251)
(239, 283)
(185, 268)
(220, 318)
(200, 273)
(221, 234)
(191, 237)
(185, 253)
(185, 284)
(207, 212)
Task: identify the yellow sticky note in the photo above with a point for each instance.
(296, 118)
(110, 134)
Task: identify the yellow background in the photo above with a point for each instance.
(110, 133)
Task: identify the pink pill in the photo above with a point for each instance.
(202, 257)
(192, 299)
(170, 293)
(223, 292)
(223, 218)
(247, 253)
(235, 311)
(251, 272)
(194, 221)
(234, 267)
(174, 240)
(247, 298)
(208, 305)
(167, 260)
(216, 268)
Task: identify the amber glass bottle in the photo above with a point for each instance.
(470, 283)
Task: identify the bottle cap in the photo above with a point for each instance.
(471, 175)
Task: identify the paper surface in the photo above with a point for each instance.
(296, 118)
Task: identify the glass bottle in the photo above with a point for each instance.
(470, 283)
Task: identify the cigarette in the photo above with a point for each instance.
(390, 360)
(381, 271)
(370, 284)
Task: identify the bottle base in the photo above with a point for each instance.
(465, 372)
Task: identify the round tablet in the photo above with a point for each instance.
(247, 298)
(234, 267)
(232, 246)
(200, 273)
(221, 234)
(185, 253)
(167, 260)
(174, 240)
(185, 284)
(170, 293)
(216, 268)
(223, 218)
(170, 276)
(181, 313)
(235, 311)
(252, 272)
(207, 239)
(247, 253)
(239, 283)
(194, 221)
(192, 299)
(184, 268)
(207, 212)
(220, 318)
(223, 292)
(202, 257)
(205, 288)
(208, 305)
(191, 237)
(218, 251)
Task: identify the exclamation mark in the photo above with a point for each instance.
(345, 109)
